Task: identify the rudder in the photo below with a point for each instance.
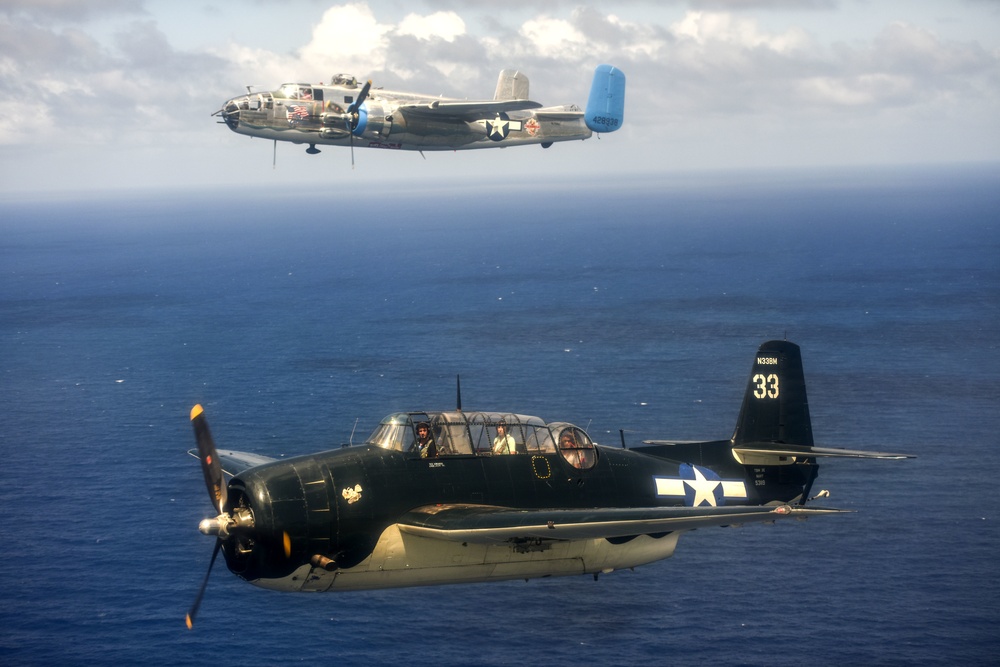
(606, 104)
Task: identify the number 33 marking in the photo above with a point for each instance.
(765, 386)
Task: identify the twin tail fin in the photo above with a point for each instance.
(606, 103)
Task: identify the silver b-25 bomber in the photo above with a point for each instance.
(345, 113)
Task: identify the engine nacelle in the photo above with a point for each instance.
(374, 121)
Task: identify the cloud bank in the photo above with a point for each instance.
(65, 77)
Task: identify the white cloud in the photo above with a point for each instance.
(553, 38)
(21, 123)
(709, 29)
(70, 10)
(348, 39)
(259, 67)
(866, 90)
(442, 25)
(644, 43)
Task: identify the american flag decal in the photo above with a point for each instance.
(296, 113)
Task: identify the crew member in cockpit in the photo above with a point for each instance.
(425, 441)
(503, 443)
(571, 449)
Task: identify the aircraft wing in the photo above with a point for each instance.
(233, 463)
(465, 110)
(491, 525)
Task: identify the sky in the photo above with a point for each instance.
(118, 94)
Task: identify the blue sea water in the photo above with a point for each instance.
(296, 316)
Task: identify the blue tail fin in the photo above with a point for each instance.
(606, 104)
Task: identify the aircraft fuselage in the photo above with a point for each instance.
(458, 496)
(313, 114)
(347, 503)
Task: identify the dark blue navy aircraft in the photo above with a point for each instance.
(467, 496)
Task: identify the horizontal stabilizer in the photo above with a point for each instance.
(233, 463)
(802, 451)
(558, 113)
(466, 111)
(480, 524)
(606, 104)
(673, 442)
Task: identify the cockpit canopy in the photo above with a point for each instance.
(484, 434)
(299, 91)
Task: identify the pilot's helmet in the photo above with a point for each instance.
(423, 426)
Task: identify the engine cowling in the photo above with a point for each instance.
(374, 121)
(293, 518)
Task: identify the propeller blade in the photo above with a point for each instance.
(189, 619)
(352, 115)
(210, 465)
(362, 96)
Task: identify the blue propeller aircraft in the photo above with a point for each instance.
(452, 496)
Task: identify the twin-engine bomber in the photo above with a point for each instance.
(468, 496)
(345, 113)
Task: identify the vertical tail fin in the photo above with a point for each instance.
(773, 441)
(511, 85)
(775, 416)
(606, 104)
(775, 409)
(774, 438)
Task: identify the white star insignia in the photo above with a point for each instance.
(498, 128)
(704, 489)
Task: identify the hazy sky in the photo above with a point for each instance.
(118, 93)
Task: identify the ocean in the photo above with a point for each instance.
(300, 318)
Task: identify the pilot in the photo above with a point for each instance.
(425, 441)
(571, 450)
(503, 443)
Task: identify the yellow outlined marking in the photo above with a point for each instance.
(534, 467)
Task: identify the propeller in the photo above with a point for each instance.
(189, 619)
(217, 493)
(210, 466)
(352, 117)
(236, 522)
